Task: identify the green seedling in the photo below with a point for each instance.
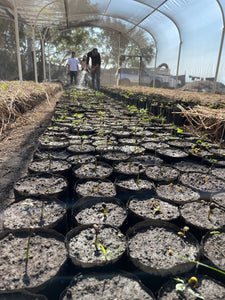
(156, 207)
(96, 228)
(27, 205)
(183, 231)
(140, 167)
(96, 162)
(105, 252)
(211, 208)
(198, 263)
(104, 209)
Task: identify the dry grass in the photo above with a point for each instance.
(16, 99)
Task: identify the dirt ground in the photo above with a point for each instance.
(18, 144)
(17, 147)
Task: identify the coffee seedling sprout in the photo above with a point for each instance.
(104, 209)
(140, 167)
(211, 208)
(183, 231)
(96, 228)
(188, 286)
(105, 252)
(96, 162)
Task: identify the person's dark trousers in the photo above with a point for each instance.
(73, 74)
(96, 77)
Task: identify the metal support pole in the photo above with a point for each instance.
(118, 61)
(156, 53)
(178, 63)
(218, 61)
(139, 71)
(18, 43)
(49, 64)
(34, 55)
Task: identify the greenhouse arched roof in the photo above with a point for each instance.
(188, 34)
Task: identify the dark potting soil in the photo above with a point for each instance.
(149, 244)
(213, 248)
(153, 208)
(86, 251)
(129, 168)
(219, 199)
(51, 144)
(75, 160)
(192, 166)
(176, 193)
(115, 156)
(207, 288)
(203, 182)
(99, 211)
(43, 186)
(162, 173)
(130, 185)
(23, 295)
(49, 166)
(97, 170)
(171, 153)
(53, 154)
(219, 172)
(148, 160)
(33, 213)
(132, 149)
(200, 215)
(106, 288)
(31, 264)
(95, 188)
(85, 148)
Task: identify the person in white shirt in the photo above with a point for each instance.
(73, 68)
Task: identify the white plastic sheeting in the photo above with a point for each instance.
(188, 34)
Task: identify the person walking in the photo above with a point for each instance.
(73, 68)
(95, 68)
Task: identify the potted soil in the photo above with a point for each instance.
(95, 245)
(41, 186)
(148, 160)
(162, 173)
(191, 166)
(204, 183)
(76, 160)
(33, 213)
(152, 246)
(115, 156)
(134, 185)
(95, 188)
(53, 154)
(52, 166)
(118, 287)
(213, 248)
(30, 258)
(176, 193)
(145, 209)
(129, 168)
(171, 154)
(192, 286)
(52, 143)
(204, 215)
(97, 170)
(22, 295)
(99, 210)
(81, 148)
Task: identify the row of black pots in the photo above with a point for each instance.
(104, 209)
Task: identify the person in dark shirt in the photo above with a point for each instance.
(95, 67)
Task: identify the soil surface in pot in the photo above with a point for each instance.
(191, 166)
(207, 288)
(46, 255)
(97, 170)
(177, 193)
(148, 248)
(95, 188)
(202, 182)
(99, 211)
(86, 250)
(49, 166)
(106, 288)
(33, 213)
(213, 248)
(40, 186)
(130, 185)
(129, 168)
(162, 173)
(200, 214)
(153, 208)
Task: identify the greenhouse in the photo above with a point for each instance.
(112, 187)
